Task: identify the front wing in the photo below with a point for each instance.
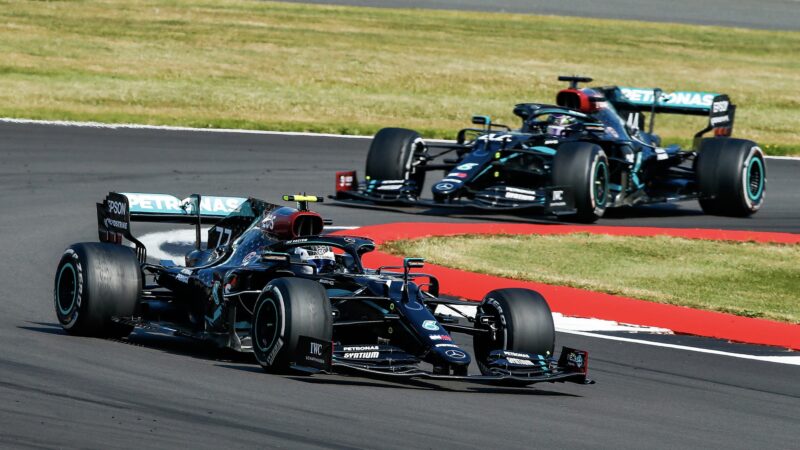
(547, 200)
(499, 379)
(387, 362)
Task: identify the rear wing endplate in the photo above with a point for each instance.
(118, 210)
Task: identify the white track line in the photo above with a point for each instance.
(133, 126)
(789, 158)
(136, 126)
(591, 328)
(793, 360)
(566, 324)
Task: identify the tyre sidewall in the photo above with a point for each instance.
(108, 283)
(75, 310)
(723, 168)
(301, 308)
(598, 166)
(525, 322)
(391, 156)
(577, 165)
(268, 350)
(754, 157)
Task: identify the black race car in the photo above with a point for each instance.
(574, 159)
(270, 282)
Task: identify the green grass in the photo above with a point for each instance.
(747, 279)
(264, 65)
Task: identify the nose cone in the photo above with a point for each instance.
(446, 187)
(454, 355)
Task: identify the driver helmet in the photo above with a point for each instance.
(560, 124)
(319, 256)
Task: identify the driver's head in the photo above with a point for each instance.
(320, 256)
(560, 124)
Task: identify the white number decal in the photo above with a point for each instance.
(224, 236)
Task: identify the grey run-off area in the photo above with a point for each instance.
(163, 392)
(766, 14)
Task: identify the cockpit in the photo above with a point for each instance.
(325, 257)
(594, 104)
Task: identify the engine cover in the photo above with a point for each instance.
(289, 223)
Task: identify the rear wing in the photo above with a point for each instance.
(118, 210)
(678, 102)
(717, 107)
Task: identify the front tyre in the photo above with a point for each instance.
(583, 167)
(287, 309)
(516, 320)
(94, 283)
(392, 155)
(732, 176)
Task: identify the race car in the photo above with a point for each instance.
(574, 159)
(270, 282)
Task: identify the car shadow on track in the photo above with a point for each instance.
(185, 346)
(245, 362)
(355, 379)
(157, 341)
(48, 328)
(253, 368)
(454, 387)
(651, 211)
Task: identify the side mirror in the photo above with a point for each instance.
(485, 121)
(408, 264)
(413, 263)
(634, 122)
(278, 257)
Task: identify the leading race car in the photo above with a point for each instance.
(575, 159)
(270, 282)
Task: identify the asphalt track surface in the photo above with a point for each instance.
(765, 14)
(157, 391)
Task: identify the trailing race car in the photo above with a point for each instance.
(587, 153)
(272, 284)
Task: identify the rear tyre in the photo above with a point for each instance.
(95, 282)
(287, 309)
(523, 323)
(392, 154)
(732, 176)
(583, 167)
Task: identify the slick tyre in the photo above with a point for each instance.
(583, 167)
(392, 155)
(523, 323)
(94, 283)
(286, 309)
(731, 176)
